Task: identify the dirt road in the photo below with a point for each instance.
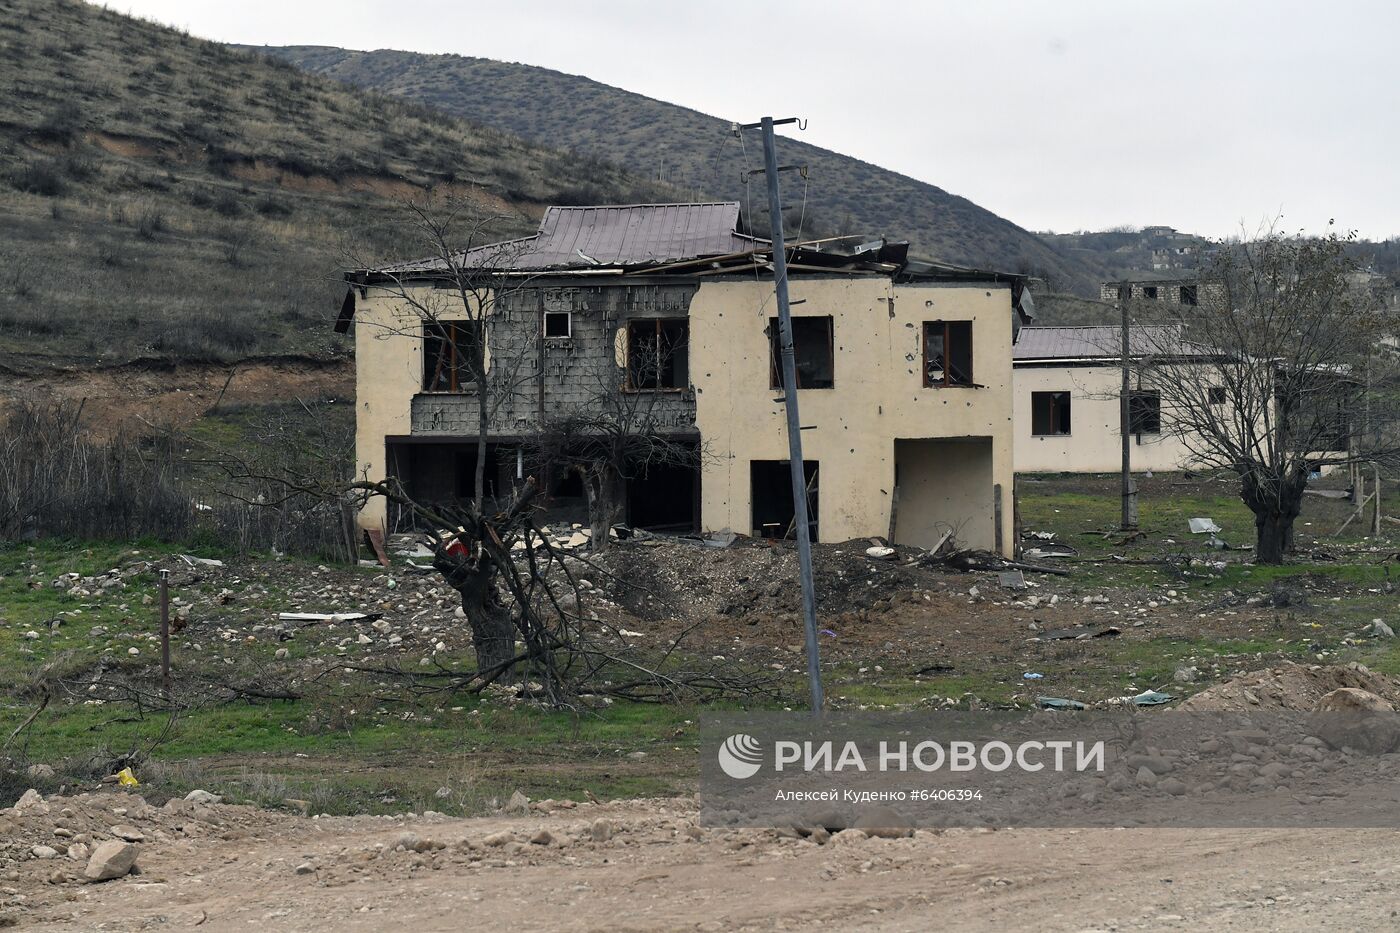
(233, 868)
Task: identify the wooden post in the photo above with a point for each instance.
(165, 631)
(1376, 517)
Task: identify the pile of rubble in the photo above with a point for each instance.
(91, 838)
(1293, 687)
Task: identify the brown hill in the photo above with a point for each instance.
(697, 153)
(168, 198)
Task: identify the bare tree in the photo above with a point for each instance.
(447, 300)
(519, 594)
(1294, 370)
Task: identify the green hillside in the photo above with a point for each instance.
(697, 153)
(165, 197)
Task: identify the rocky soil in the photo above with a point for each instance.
(647, 865)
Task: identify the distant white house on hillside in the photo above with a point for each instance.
(1067, 382)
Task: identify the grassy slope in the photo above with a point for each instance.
(163, 196)
(846, 195)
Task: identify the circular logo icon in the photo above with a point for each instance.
(740, 756)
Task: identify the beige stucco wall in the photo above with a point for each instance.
(388, 372)
(878, 397)
(1093, 444)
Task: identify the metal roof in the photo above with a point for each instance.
(612, 235)
(1097, 342)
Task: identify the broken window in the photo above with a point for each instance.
(1149, 292)
(1049, 413)
(558, 325)
(1215, 395)
(449, 348)
(948, 353)
(658, 353)
(812, 339)
(1145, 412)
(1188, 294)
(770, 496)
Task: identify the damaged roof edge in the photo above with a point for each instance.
(652, 240)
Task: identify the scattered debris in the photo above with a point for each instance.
(1012, 580)
(327, 617)
(1050, 551)
(1083, 631)
(1204, 526)
(1058, 703)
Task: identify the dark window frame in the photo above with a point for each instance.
(661, 365)
(1054, 415)
(1145, 420)
(945, 331)
(1189, 295)
(1215, 395)
(446, 368)
(775, 356)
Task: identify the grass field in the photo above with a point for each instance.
(363, 745)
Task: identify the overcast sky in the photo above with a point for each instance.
(1060, 115)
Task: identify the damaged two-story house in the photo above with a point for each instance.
(904, 376)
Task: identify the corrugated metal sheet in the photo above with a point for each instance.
(1097, 342)
(614, 235)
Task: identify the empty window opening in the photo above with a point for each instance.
(658, 354)
(770, 494)
(1188, 294)
(1215, 395)
(449, 348)
(1149, 292)
(1050, 413)
(665, 497)
(948, 353)
(558, 325)
(812, 339)
(443, 475)
(1145, 413)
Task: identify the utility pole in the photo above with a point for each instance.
(1130, 513)
(794, 424)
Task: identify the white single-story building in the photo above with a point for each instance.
(1067, 382)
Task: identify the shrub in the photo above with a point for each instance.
(62, 125)
(150, 223)
(227, 204)
(42, 178)
(270, 206)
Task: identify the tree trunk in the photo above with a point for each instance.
(493, 629)
(603, 486)
(1276, 505)
(1273, 537)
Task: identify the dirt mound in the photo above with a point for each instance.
(1290, 687)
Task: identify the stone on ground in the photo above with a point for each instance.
(112, 859)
